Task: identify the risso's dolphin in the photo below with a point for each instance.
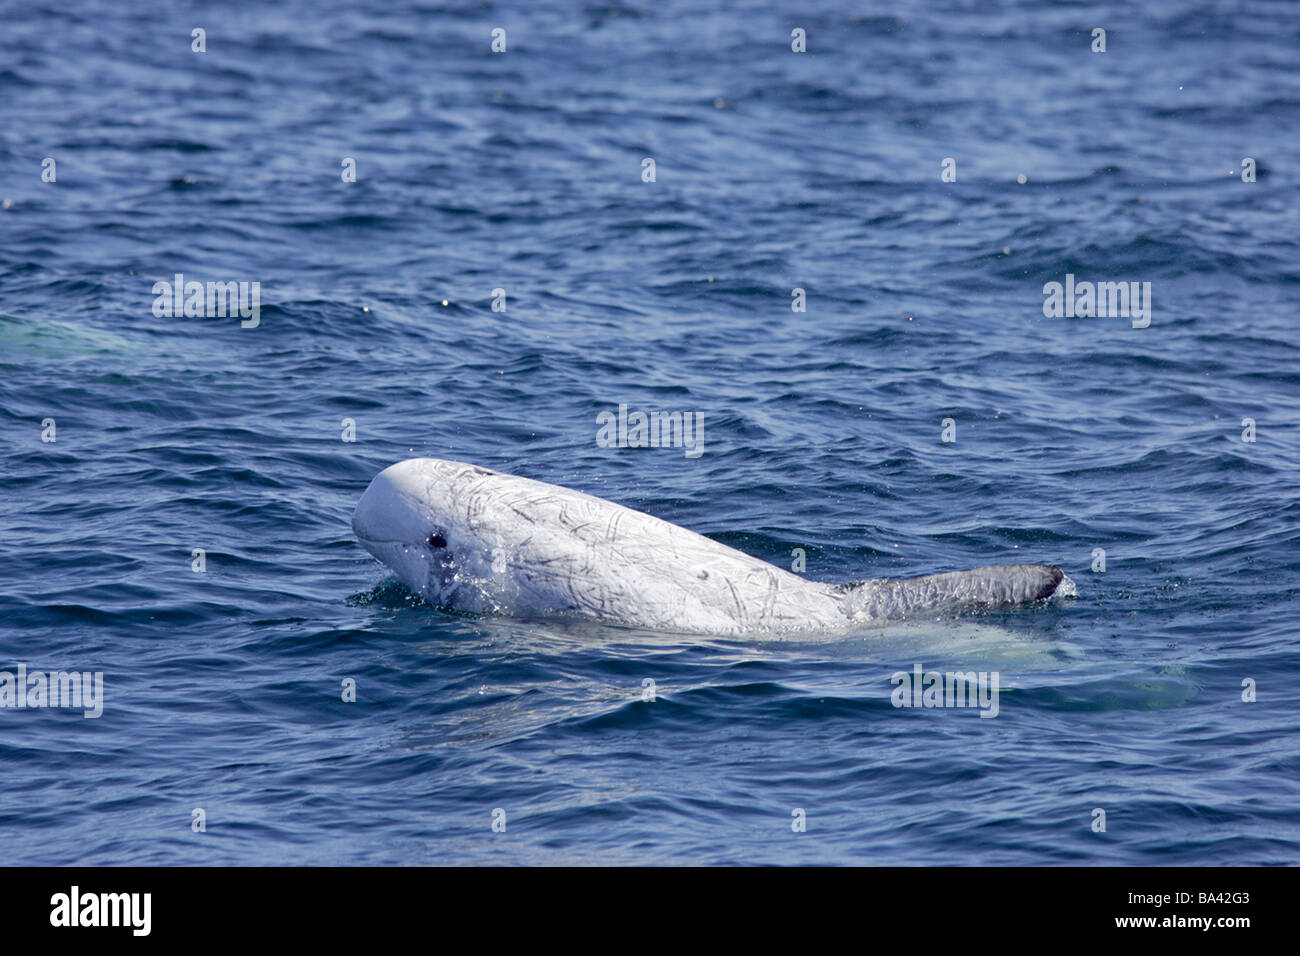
(478, 541)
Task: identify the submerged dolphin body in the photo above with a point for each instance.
(475, 540)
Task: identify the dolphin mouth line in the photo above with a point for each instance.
(421, 582)
(364, 540)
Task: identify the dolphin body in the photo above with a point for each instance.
(482, 542)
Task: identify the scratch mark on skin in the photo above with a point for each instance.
(524, 515)
(740, 608)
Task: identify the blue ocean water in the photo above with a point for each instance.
(523, 171)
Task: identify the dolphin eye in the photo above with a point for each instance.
(436, 540)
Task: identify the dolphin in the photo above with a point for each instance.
(479, 541)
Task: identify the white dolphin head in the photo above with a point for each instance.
(409, 518)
